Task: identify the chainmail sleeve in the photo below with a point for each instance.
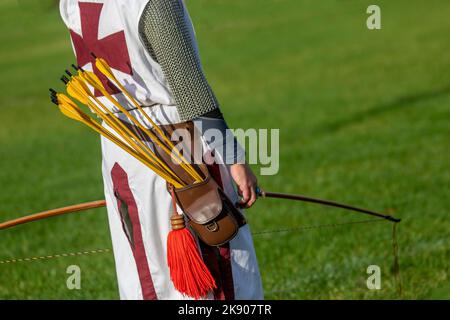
(164, 31)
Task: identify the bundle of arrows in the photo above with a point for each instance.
(77, 86)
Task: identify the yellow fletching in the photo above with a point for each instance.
(74, 91)
(70, 109)
(80, 82)
(69, 112)
(93, 80)
(104, 68)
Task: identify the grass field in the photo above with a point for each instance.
(364, 118)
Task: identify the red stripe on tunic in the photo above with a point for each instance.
(124, 194)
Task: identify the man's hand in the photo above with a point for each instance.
(246, 183)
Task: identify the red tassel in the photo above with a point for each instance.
(188, 272)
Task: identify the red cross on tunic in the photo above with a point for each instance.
(112, 48)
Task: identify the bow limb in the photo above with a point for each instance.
(53, 213)
(303, 198)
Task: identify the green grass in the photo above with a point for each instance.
(364, 119)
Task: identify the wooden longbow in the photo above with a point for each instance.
(261, 193)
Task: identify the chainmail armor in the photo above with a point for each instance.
(164, 31)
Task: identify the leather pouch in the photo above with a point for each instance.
(209, 211)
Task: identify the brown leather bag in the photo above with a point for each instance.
(209, 212)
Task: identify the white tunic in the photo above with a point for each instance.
(138, 204)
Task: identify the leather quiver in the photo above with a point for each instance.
(211, 214)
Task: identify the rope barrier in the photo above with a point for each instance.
(53, 256)
(257, 233)
(396, 266)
